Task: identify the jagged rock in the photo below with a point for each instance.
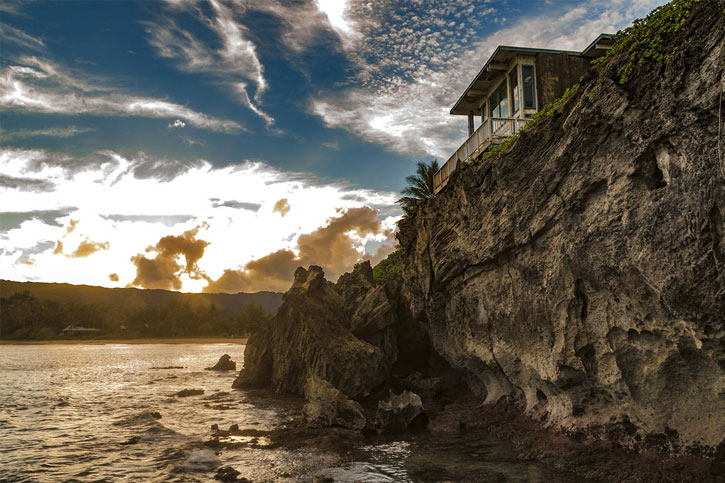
(225, 363)
(400, 412)
(310, 336)
(580, 274)
(327, 406)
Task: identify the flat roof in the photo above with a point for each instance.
(503, 54)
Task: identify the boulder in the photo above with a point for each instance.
(225, 363)
(327, 406)
(400, 412)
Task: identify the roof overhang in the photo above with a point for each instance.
(502, 57)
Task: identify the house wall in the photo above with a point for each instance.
(555, 73)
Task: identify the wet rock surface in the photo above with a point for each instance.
(327, 406)
(580, 277)
(225, 363)
(400, 412)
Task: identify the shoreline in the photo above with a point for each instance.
(146, 340)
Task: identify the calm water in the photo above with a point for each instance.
(66, 410)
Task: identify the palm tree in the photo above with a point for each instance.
(420, 186)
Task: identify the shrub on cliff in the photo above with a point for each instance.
(389, 267)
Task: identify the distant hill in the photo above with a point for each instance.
(139, 298)
(31, 310)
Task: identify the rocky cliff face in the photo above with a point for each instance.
(581, 275)
(349, 335)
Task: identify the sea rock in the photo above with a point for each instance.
(327, 406)
(400, 412)
(225, 363)
(310, 336)
(190, 392)
(580, 276)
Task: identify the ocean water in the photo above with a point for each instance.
(109, 412)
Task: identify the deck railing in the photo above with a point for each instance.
(492, 131)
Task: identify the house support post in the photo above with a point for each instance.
(470, 124)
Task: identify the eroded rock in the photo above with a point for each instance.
(400, 412)
(580, 275)
(327, 406)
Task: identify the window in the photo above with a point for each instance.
(527, 82)
(498, 102)
(514, 83)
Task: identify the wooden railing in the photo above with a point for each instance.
(492, 131)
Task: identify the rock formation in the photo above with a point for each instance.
(225, 363)
(335, 344)
(581, 275)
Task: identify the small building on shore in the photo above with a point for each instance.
(511, 87)
(76, 330)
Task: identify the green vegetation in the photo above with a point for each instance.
(389, 267)
(420, 186)
(25, 316)
(549, 109)
(546, 111)
(644, 40)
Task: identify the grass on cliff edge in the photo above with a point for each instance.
(644, 40)
(389, 267)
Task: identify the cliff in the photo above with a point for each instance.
(580, 276)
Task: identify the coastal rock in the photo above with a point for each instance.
(400, 412)
(327, 406)
(225, 363)
(310, 336)
(580, 275)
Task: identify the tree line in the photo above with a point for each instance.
(25, 316)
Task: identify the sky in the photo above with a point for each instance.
(217, 145)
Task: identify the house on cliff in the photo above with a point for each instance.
(513, 85)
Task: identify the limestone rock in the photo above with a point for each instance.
(400, 412)
(327, 406)
(581, 274)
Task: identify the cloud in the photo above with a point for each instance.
(282, 207)
(167, 220)
(177, 123)
(11, 220)
(37, 85)
(113, 277)
(16, 36)
(134, 202)
(87, 248)
(25, 184)
(412, 63)
(164, 270)
(334, 246)
(238, 205)
(57, 132)
(226, 58)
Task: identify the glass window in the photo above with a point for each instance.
(527, 83)
(498, 102)
(514, 83)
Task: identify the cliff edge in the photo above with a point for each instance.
(580, 276)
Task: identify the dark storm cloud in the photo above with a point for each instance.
(239, 205)
(25, 184)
